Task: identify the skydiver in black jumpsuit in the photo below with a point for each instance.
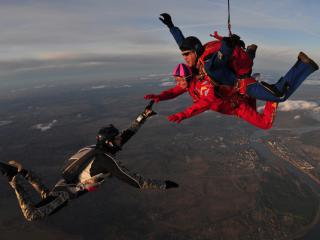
(84, 172)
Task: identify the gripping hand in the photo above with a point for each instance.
(166, 19)
(148, 112)
(233, 41)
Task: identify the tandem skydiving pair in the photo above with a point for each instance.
(223, 67)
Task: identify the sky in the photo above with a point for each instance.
(99, 38)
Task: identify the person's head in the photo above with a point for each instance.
(182, 74)
(191, 48)
(107, 137)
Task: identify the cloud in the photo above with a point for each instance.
(54, 31)
(4, 123)
(312, 82)
(167, 84)
(44, 126)
(294, 105)
(98, 87)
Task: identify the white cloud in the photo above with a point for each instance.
(4, 123)
(167, 84)
(44, 126)
(297, 105)
(99, 87)
(123, 86)
(62, 30)
(312, 82)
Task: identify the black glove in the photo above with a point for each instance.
(148, 112)
(242, 44)
(166, 19)
(170, 184)
(234, 41)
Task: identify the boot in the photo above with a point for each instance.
(19, 167)
(252, 48)
(8, 170)
(171, 184)
(251, 51)
(305, 59)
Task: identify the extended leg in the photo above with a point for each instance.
(30, 210)
(296, 75)
(32, 178)
(262, 120)
(286, 85)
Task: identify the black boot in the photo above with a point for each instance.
(8, 170)
(251, 49)
(170, 184)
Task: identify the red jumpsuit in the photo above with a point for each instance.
(231, 103)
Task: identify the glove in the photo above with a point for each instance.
(178, 117)
(170, 184)
(166, 19)
(242, 44)
(233, 41)
(153, 97)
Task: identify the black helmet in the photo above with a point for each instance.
(192, 43)
(106, 134)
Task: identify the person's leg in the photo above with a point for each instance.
(262, 120)
(30, 210)
(287, 85)
(32, 178)
(296, 75)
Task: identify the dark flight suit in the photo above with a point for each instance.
(84, 172)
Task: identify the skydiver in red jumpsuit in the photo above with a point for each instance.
(205, 97)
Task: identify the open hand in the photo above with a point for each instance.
(178, 117)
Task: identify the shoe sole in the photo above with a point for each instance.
(5, 167)
(305, 59)
(252, 47)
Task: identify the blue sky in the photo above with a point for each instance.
(39, 37)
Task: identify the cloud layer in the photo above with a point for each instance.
(298, 105)
(43, 37)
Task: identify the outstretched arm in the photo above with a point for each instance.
(175, 31)
(136, 124)
(122, 173)
(166, 95)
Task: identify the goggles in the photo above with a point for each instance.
(186, 53)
